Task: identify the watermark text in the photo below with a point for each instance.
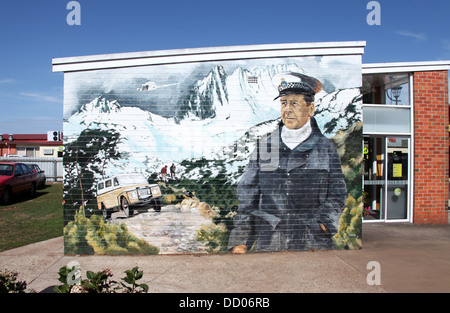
(374, 276)
(374, 16)
(74, 16)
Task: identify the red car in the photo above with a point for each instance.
(16, 178)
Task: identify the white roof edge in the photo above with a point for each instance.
(115, 60)
(396, 67)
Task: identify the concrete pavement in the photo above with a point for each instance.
(412, 258)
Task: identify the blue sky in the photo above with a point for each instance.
(33, 32)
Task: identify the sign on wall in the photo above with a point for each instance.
(241, 155)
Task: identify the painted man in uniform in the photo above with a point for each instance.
(296, 204)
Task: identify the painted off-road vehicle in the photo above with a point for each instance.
(127, 192)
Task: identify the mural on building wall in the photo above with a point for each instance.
(208, 157)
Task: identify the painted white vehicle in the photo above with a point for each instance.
(127, 192)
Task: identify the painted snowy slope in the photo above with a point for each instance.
(215, 115)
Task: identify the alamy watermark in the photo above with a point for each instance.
(265, 150)
(74, 16)
(374, 276)
(74, 277)
(374, 16)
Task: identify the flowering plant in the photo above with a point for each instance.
(10, 284)
(101, 282)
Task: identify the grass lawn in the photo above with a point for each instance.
(25, 221)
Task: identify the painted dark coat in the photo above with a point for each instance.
(293, 200)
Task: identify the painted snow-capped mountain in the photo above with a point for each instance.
(247, 93)
(218, 111)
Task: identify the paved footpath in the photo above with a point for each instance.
(412, 258)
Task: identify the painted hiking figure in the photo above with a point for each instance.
(291, 200)
(172, 171)
(164, 173)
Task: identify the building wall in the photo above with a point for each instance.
(7, 149)
(48, 151)
(208, 119)
(431, 147)
(34, 150)
(30, 148)
(31, 144)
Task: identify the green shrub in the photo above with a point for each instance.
(94, 235)
(350, 225)
(10, 284)
(214, 236)
(101, 282)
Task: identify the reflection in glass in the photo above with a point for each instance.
(392, 89)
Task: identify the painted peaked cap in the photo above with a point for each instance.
(296, 83)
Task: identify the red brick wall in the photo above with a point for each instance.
(431, 147)
(4, 150)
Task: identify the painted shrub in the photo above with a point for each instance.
(192, 129)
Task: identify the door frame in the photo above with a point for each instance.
(410, 187)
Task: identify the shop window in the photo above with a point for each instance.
(390, 89)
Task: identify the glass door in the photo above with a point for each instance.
(374, 204)
(386, 178)
(397, 196)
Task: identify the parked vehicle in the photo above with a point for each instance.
(41, 175)
(16, 178)
(127, 192)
